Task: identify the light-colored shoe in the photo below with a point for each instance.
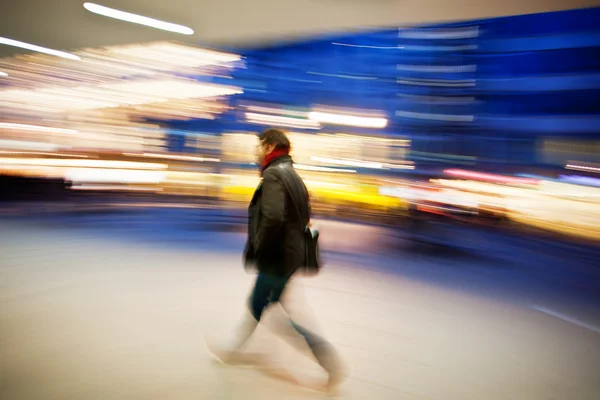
(222, 355)
(335, 382)
(235, 358)
(337, 370)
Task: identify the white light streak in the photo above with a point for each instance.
(440, 33)
(435, 117)
(137, 19)
(172, 157)
(442, 48)
(35, 128)
(566, 318)
(399, 166)
(41, 153)
(3, 74)
(82, 163)
(350, 163)
(322, 169)
(58, 99)
(100, 175)
(25, 145)
(282, 121)
(363, 78)
(279, 111)
(348, 120)
(437, 99)
(368, 47)
(582, 168)
(438, 68)
(168, 55)
(438, 82)
(95, 187)
(39, 49)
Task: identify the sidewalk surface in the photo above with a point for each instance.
(89, 315)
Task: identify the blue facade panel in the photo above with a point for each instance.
(512, 79)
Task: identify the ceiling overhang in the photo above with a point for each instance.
(67, 25)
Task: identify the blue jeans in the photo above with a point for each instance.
(269, 289)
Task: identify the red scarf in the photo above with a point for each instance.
(272, 156)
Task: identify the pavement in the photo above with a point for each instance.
(116, 305)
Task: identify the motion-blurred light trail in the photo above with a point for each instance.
(39, 49)
(137, 19)
(566, 318)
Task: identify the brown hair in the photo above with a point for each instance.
(276, 137)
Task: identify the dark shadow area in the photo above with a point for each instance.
(14, 188)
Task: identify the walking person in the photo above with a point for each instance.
(278, 213)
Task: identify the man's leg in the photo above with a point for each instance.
(303, 321)
(258, 301)
(265, 291)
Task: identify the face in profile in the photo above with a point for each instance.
(261, 151)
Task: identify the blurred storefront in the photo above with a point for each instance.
(370, 115)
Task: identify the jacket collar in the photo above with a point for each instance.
(284, 159)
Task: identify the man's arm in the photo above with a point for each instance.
(272, 212)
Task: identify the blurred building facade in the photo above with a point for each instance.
(376, 119)
(491, 93)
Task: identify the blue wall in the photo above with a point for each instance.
(488, 88)
(524, 67)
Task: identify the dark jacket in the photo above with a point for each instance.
(275, 230)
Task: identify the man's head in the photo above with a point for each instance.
(270, 140)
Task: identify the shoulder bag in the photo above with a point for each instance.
(312, 259)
